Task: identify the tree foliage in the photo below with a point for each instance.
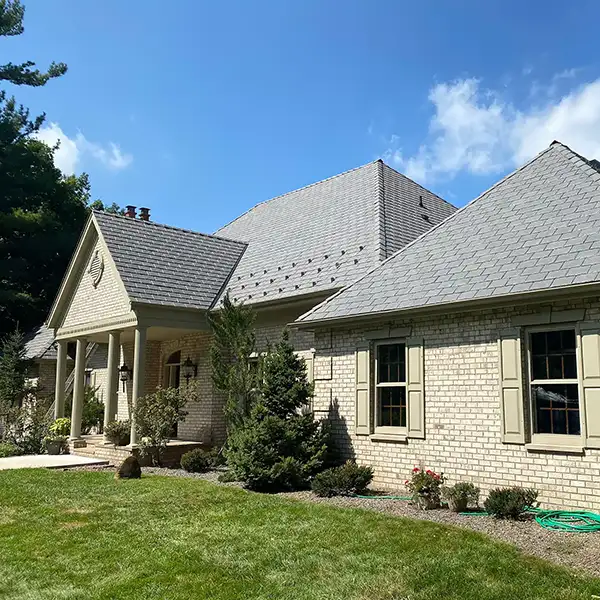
(278, 447)
(42, 211)
(13, 371)
(235, 371)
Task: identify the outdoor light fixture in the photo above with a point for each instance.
(124, 374)
(189, 369)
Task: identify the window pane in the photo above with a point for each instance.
(553, 355)
(391, 363)
(556, 409)
(392, 406)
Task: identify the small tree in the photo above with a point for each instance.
(156, 415)
(233, 345)
(13, 371)
(278, 447)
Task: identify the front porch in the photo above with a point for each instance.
(94, 446)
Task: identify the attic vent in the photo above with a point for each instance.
(96, 268)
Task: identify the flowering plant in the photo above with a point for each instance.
(424, 486)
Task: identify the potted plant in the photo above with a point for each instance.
(118, 432)
(56, 440)
(460, 496)
(424, 487)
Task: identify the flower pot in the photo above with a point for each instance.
(426, 503)
(457, 505)
(54, 446)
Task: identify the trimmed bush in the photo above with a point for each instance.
(510, 503)
(118, 432)
(7, 449)
(198, 460)
(346, 480)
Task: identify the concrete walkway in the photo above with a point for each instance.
(40, 461)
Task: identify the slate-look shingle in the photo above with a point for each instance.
(168, 266)
(324, 236)
(537, 229)
(39, 344)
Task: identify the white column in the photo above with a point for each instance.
(139, 368)
(112, 377)
(61, 379)
(78, 389)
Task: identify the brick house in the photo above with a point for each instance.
(466, 340)
(142, 290)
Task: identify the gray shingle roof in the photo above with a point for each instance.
(324, 236)
(40, 344)
(537, 229)
(168, 266)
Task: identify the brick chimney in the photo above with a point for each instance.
(144, 213)
(130, 211)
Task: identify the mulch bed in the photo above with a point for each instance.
(579, 551)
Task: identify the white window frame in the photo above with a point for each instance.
(392, 430)
(171, 370)
(554, 440)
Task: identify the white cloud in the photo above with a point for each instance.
(477, 131)
(71, 151)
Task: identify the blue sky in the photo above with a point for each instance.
(201, 109)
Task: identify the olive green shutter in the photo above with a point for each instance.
(511, 386)
(590, 405)
(362, 392)
(415, 388)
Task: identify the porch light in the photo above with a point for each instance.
(124, 374)
(189, 369)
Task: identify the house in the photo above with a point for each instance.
(475, 349)
(143, 290)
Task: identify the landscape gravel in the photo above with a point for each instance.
(580, 551)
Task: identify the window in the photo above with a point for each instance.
(173, 370)
(390, 385)
(554, 382)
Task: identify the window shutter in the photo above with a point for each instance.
(415, 387)
(363, 395)
(511, 386)
(590, 405)
(310, 368)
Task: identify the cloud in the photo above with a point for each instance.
(475, 130)
(71, 151)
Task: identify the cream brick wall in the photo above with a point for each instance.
(96, 303)
(462, 413)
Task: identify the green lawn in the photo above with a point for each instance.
(83, 535)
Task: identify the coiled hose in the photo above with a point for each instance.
(565, 520)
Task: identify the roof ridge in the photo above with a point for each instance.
(164, 226)
(304, 187)
(587, 167)
(432, 229)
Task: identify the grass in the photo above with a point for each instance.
(79, 535)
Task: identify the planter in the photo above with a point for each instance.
(54, 446)
(426, 503)
(458, 505)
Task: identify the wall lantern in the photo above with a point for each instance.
(189, 369)
(124, 374)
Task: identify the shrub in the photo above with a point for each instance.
(8, 449)
(276, 447)
(118, 432)
(198, 460)
(60, 426)
(461, 495)
(156, 415)
(92, 411)
(510, 503)
(345, 480)
(424, 487)
(13, 371)
(27, 426)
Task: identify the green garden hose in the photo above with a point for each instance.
(383, 497)
(564, 520)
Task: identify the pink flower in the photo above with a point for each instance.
(406, 482)
(416, 470)
(429, 472)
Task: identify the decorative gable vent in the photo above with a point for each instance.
(96, 268)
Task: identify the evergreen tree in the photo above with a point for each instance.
(13, 371)
(234, 369)
(279, 447)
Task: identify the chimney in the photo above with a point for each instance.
(130, 211)
(144, 213)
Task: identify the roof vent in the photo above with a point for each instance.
(421, 202)
(144, 213)
(130, 211)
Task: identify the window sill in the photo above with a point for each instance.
(388, 437)
(554, 448)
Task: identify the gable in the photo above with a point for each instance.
(97, 293)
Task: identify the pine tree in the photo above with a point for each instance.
(13, 371)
